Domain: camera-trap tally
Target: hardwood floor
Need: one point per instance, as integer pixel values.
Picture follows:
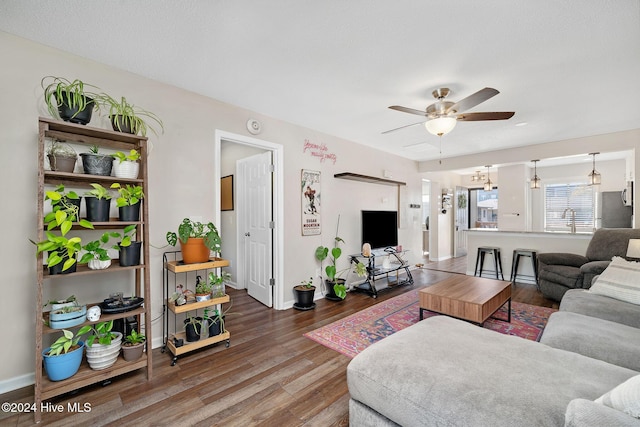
(270, 375)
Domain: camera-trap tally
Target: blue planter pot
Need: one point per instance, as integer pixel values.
(63, 366)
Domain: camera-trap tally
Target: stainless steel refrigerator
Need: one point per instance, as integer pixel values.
(613, 212)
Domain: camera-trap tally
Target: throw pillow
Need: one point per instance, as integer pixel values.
(620, 280)
(625, 397)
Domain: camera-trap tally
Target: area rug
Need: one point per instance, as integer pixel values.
(356, 332)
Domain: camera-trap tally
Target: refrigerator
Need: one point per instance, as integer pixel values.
(613, 211)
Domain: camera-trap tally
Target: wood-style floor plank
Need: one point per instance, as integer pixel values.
(270, 375)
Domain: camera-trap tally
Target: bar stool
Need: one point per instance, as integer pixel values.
(529, 253)
(497, 261)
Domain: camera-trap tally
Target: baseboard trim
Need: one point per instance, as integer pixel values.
(15, 383)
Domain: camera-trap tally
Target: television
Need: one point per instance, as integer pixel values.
(380, 228)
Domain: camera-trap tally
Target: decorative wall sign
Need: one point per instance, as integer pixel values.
(319, 150)
(226, 193)
(311, 224)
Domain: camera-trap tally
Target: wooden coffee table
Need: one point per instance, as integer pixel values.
(466, 297)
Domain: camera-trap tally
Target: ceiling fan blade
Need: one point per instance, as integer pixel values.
(401, 127)
(474, 117)
(473, 100)
(408, 110)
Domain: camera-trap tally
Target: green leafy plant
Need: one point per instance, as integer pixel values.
(129, 195)
(96, 249)
(134, 338)
(189, 228)
(133, 156)
(99, 191)
(70, 299)
(101, 332)
(308, 284)
(203, 286)
(94, 149)
(126, 237)
(71, 93)
(60, 249)
(67, 342)
(63, 213)
(126, 117)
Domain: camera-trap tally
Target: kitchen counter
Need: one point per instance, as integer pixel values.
(507, 241)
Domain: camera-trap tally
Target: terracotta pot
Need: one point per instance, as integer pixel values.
(133, 352)
(61, 163)
(194, 251)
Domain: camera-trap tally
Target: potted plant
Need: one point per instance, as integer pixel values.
(96, 256)
(304, 293)
(215, 323)
(217, 283)
(95, 163)
(130, 250)
(65, 210)
(67, 317)
(62, 252)
(126, 165)
(98, 203)
(336, 288)
(193, 328)
(128, 201)
(203, 289)
(196, 240)
(103, 346)
(62, 303)
(68, 100)
(128, 118)
(62, 360)
(62, 157)
(133, 346)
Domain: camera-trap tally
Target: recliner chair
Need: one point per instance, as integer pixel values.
(559, 272)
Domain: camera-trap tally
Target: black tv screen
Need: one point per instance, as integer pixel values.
(380, 228)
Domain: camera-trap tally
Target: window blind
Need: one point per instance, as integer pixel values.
(579, 197)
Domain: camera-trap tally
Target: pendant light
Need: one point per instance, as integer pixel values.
(477, 177)
(535, 181)
(488, 186)
(594, 176)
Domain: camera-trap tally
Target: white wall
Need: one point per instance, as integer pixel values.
(180, 175)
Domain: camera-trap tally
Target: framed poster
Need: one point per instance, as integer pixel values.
(226, 193)
(311, 219)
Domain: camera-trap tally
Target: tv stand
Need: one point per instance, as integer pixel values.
(382, 275)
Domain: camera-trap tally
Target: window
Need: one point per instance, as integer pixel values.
(483, 211)
(560, 197)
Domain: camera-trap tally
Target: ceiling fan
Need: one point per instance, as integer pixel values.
(442, 115)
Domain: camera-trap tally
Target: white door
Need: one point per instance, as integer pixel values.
(255, 185)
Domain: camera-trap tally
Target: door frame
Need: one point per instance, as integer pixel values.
(277, 151)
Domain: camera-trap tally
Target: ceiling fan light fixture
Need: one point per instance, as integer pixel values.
(440, 125)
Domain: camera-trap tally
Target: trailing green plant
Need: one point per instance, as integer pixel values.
(134, 338)
(133, 156)
(126, 116)
(189, 228)
(96, 249)
(65, 343)
(129, 195)
(63, 213)
(72, 299)
(99, 191)
(72, 93)
(126, 237)
(60, 249)
(101, 332)
(204, 286)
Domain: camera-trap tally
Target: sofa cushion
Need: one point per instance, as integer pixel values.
(593, 337)
(620, 280)
(587, 413)
(443, 371)
(566, 275)
(587, 303)
(625, 397)
(610, 242)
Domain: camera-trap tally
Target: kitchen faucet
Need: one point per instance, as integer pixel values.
(571, 224)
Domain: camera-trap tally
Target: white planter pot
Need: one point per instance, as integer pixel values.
(96, 264)
(102, 356)
(125, 169)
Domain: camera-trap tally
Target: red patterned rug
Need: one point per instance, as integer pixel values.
(356, 332)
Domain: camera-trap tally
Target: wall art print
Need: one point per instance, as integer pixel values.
(310, 189)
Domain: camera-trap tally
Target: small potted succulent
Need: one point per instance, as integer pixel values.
(128, 201)
(62, 157)
(304, 293)
(126, 165)
(95, 163)
(133, 346)
(196, 240)
(69, 100)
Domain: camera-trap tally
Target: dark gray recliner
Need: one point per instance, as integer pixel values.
(559, 272)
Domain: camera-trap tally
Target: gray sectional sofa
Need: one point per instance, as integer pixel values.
(447, 372)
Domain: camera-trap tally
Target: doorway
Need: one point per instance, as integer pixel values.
(233, 243)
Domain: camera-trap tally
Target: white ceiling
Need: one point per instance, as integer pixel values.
(568, 68)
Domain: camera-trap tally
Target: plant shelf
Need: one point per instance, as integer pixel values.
(190, 346)
(195, 305)
(180, 267)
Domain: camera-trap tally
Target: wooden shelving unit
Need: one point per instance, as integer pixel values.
(177, 267)
(84, 135)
